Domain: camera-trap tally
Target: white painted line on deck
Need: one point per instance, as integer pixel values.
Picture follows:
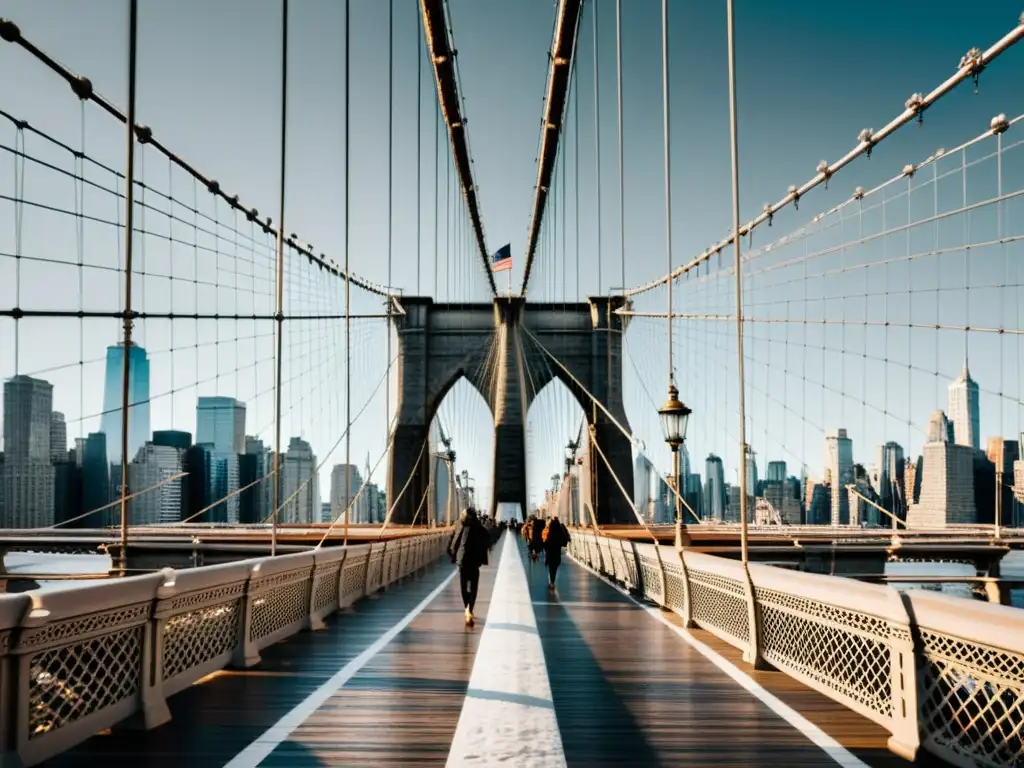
(508, 717)
(814, 734)
(261, 748)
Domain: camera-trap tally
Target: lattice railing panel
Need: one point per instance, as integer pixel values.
(376, 571)
(352, 579)
(193, 638)
(593, 553)
(675, 584)
(632, 579)
(971, 701)
(72, 682)
(618, 563)
(651, 575)
(823, 649)
(719, 602)
(326, 593)
(279, 608)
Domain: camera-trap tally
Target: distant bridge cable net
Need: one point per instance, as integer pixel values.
(636, 442)
(82, 87)
(971, 66)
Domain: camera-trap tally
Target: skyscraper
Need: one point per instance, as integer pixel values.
(150, 472)
(220, 432)
(26, 474)
(300, 486)
(254, 466)
(339, 501)
(964, 411)
(1004, 454)
(220, 422)
(95, 482)
(890, 479)
(839, 462)
(643, 475)
(138, 401)
(940, 429)
(947, 488)
(776, 472)
(182, 443)
(715, 498)
(58, 437)
(751, 480)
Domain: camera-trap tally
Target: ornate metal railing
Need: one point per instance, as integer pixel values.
(76, 661)
(938, 672)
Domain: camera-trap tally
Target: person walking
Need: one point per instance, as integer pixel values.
(536, 538)
(468, 550)
(556, 536)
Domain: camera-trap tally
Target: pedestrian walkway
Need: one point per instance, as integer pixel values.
(583, 676)
(508, 716)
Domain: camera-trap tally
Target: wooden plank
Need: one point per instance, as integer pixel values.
(216, 718)
(629, 691)
(404, 706)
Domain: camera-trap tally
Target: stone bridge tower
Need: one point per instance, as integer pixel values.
(493, 346)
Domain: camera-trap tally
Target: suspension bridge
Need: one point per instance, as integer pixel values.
(260, 447)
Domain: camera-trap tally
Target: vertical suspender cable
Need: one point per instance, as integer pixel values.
(576, 186)
(348, 285)
(734, 150)
(666, 118)
(419, 155)
(622, 184)
(437, 187)
(391, 202)
(597, 148)
(668, 171)
(279, 313)
(129, 204)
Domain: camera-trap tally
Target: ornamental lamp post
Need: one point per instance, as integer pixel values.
(675, 417)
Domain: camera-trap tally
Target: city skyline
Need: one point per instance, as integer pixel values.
(209, 358)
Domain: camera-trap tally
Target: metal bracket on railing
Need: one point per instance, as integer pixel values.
(905, 648)
(366, 571)
(753, 652)
(687, 610)
(155, 711)
(664, 580)
(246, 655)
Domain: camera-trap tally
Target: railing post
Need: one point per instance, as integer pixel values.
(12, 610)
(638, 588)
(906, 736)
(752, 654)
(663, 600)
(687, 610)
(316, 623)
(155, 711)
(246, 655)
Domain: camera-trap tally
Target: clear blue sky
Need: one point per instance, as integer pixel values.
(811, 75)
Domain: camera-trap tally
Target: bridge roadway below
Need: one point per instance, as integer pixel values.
(583, 676)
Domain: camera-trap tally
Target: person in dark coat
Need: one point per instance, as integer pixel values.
(556, 536)
(468, 550)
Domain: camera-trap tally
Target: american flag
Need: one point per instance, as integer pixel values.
(502, 259)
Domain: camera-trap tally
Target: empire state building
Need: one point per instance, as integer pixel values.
(964, 410)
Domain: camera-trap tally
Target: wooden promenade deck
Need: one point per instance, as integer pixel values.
(625, 687)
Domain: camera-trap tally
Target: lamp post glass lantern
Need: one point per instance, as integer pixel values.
(675, 417)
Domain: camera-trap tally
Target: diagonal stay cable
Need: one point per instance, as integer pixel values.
(971, 66)
(633, 439)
